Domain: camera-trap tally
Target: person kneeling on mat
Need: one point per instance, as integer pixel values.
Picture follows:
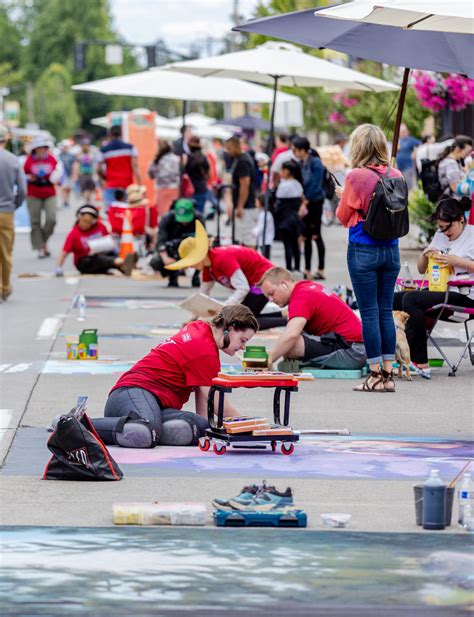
(322, 331)
(144, 407)
(236, 267)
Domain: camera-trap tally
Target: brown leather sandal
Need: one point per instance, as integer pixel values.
(388, 381)
(377, 384)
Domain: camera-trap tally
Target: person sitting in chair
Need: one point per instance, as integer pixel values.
(144, 408)
(322, 331)
(452, 245)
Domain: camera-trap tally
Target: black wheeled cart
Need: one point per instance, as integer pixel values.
(220, 440)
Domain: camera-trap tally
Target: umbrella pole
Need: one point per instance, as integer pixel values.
(181, 156)
(398, 120)
(271, 145)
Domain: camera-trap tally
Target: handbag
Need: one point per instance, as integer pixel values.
(78, 452)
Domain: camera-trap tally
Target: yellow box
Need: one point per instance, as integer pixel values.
(438, 275)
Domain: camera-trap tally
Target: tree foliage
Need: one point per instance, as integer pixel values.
(55, 101)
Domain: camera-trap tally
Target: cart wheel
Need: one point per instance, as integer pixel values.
(274, 446)
(218, 449)
(204, 445)
(287, 448)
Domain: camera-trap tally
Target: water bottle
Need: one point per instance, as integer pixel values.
(465, 494)
(81, 308)
(434, 502)
(408, 282)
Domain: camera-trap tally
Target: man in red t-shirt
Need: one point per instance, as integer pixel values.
(144, 407)
(118, 165)
(236, 267)
(322, 331)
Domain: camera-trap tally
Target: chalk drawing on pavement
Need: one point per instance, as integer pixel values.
(107, 571)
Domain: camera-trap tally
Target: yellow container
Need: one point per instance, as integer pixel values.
(81, 352)
(438, 275)
(71, 347)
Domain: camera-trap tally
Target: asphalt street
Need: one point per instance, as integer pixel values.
(36, 385)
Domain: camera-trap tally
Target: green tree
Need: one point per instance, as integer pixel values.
(55, 103)
(10, 37)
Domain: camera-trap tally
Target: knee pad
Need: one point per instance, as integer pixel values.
(135, 432)
(182, 428)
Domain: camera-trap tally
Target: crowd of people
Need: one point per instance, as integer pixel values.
(261, 198)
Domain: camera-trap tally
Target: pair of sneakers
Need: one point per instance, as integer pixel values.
(257, 498)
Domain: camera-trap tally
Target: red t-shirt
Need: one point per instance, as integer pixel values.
(42, 168)
(324, 311)
(225, 260)
(76, 240)
(278, 151)
(176, 366)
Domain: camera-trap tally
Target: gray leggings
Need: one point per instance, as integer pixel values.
(134, 418)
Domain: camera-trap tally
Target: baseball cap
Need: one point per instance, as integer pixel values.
(184, 209)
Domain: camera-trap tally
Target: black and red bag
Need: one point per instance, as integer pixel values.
(78, 452)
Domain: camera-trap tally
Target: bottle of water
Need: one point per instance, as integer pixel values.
(465, 494)
(408, 282)
(434, 502)
(81, 308)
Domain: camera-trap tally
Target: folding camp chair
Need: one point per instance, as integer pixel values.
(452, 313)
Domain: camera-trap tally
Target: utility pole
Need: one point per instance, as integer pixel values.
(236, 22)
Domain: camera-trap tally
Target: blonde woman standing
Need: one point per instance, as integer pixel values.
(373, 264)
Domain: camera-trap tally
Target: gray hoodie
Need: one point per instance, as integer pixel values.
(12, 182)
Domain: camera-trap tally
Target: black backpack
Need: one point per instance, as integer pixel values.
(387, 216)
(429, 177)
(328, 185)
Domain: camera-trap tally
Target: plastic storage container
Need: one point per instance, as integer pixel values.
(159, 513)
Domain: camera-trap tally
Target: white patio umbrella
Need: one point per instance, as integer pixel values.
(196, 120)
(432, 15)
(282, 64)
(166, 84)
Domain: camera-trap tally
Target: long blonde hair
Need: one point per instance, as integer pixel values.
(368, 146)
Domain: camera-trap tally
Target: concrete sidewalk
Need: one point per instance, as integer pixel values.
(441, 408)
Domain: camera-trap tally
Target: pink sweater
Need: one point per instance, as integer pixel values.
(359, 186)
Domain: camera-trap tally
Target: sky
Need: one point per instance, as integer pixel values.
(178, 22)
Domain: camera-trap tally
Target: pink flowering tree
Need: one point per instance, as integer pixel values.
(437, 93)
(342, 102)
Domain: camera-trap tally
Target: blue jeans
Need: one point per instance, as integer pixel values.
(108, 196)
(374, 271)
(200, 200)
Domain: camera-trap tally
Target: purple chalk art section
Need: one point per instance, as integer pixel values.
(344, 458)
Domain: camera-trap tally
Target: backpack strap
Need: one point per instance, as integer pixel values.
(380, 175)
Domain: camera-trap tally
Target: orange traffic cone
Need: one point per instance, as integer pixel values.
(127, 244)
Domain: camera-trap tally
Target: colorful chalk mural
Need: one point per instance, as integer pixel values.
(158, 571)
(332, 457)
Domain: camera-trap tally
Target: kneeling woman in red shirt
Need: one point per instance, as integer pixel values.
(83, 241)
(144, 407)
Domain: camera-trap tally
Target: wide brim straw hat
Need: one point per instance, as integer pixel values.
(136, 195)
(192, 250)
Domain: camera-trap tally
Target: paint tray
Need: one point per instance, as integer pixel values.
(255, 357)
(289, 518)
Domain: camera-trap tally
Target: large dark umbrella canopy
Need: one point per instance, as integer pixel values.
(415, 49)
